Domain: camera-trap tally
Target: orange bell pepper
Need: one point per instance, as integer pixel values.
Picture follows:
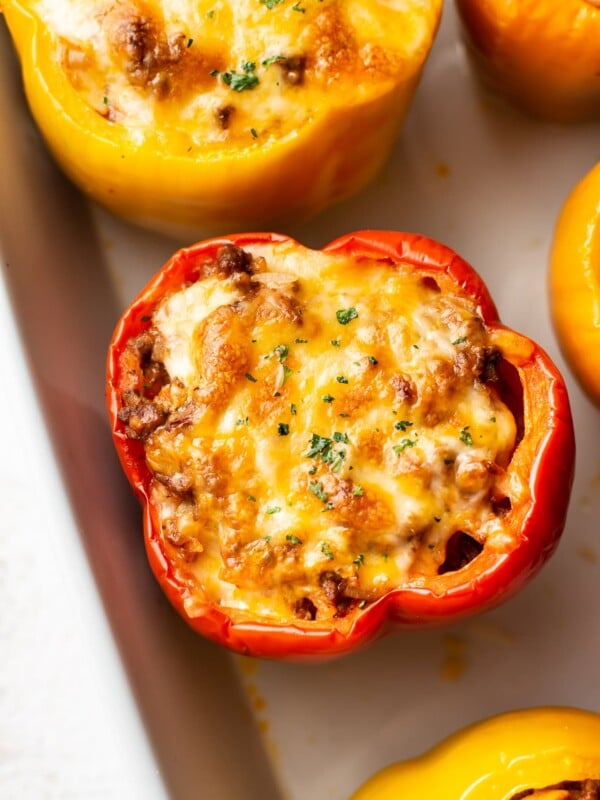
(540, 753)
(541, 54)
(575, 282)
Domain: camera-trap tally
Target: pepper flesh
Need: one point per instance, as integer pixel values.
(162, 173)
(541, 54)
(542, 464)
(575, 282)
(502, 758)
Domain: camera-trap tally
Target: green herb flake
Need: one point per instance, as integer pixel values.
(362, 604)
(286, 373)
(254, 133)
(492, 419)
(359, 561)
(342, 379)
(399, 448)
(190, 42)
(327, 398)
(402, 425)
(293, 409)
(272, 60)
(282, 351)
(336, 342)
(343, 415)
(214, 73)
(283, 429)
(465, 436)
(326, 550)
(358, 490)
(268, 539)
(300, 341)
(241, 81)
(293, 539)
(210, 14)
(251, 498)
(250, 377)
(346, 315)
(437, 519)
(105, 100)
(242, 421)
(271, 3)
(460, 340)
(273, 510)
(341, 437)
(373, 360)
(298, 7)
(316, 487)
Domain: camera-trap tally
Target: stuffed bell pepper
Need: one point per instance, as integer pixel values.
(541, 54)
(575, 282)
(220, 114)
(328, 442)
(538, 754)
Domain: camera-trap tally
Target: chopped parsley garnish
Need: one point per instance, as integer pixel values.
(251, 498)
(298, 7)
(254, 133)
(244, 421)
(460, 340)
(250, 377)
(271, 3)
(465, 436)
(300, 341)
(293, 409)
(362, 604)
(326, 550)
(210, 14)
(282, 351)
(293, 539)
(327, 398)
(346, 315)
(322, 447)
(358, 490)
(336, 342)
(316, 487)
(241, 81)
(342, 379)
(359, 560)
(344, 415)
(398, 448)
(190, 42)
(272, 60)
(283, 429)
(402, 425)
(286, 373)
(273, 510)
(268, 539)
(373, 360)
(341, 437)
(492, 419)
(105, 100)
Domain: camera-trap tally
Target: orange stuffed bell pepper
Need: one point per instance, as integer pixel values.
(328, 443)
(575, 282)
(541, 54)
(539, 753)
(219, 115)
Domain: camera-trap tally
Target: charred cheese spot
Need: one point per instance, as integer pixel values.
(213, 71)
(320, 431)
(588, 789)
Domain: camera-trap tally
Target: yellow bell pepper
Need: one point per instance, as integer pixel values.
(535, 753)
(220, 113)
(541, 54)
(575, 282)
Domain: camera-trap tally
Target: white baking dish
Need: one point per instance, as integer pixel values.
(148, 709)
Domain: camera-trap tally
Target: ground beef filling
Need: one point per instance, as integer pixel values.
(154, 403)
(588, 789)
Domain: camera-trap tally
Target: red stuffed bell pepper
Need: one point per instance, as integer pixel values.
(327, 443)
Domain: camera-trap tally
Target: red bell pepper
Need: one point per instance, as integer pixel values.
(540, 471)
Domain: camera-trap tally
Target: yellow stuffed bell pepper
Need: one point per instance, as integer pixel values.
(542, 754)
(220, 113)
(575, 282)
(542, 54)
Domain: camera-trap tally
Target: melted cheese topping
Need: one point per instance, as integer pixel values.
(325, 433)
(244, 71)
